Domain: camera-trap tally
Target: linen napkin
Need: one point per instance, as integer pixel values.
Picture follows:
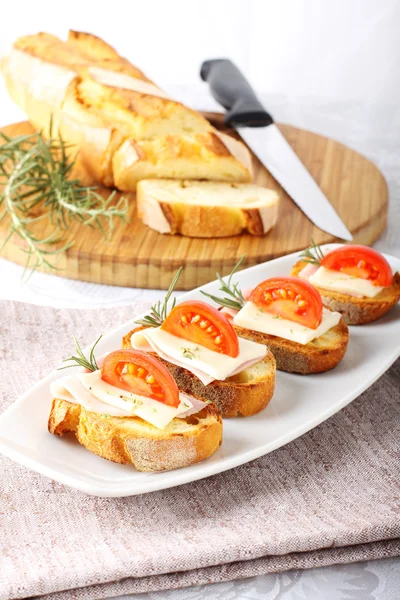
(331, 496)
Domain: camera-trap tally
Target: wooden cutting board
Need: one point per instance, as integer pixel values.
(136, 256)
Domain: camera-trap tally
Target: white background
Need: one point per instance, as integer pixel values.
(331, 49)
(332, 66)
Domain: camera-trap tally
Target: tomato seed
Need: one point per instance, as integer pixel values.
(218, 340)
(196, 318)
(204, 324)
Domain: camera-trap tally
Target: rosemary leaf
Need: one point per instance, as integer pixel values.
(34, 172)
(313, 254)
(160, 311)
(81, 360)
(234, 297)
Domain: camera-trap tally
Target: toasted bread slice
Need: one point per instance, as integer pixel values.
(319, 355)
(242, 395)
(358, 311)
(190, 156)
(206, 209)
(130, 440)
(92, 95)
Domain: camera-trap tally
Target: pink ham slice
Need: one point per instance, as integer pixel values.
(308, 270)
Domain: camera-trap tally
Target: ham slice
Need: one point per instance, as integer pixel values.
(308, 270)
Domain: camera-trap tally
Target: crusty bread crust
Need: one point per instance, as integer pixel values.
(130, 440)
(322, 354)
(243, 395)
(358, 311)
(163, 205)
(93, 95)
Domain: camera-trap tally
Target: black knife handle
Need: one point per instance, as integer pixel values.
(231, 89)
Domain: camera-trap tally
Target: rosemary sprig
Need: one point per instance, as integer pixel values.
(234, 297)
(81, 360)
(313, 254)
(160, 310)
(35, 177)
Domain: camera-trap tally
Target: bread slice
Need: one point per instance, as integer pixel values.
(319, 355)
(206, 209)
(242, 395)
(358, 311)
(177, 156)
(130, 440)
(98, 101)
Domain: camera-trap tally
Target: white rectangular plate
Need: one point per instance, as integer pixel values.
(299, 404)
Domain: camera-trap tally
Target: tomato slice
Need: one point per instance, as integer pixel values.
(142, 374)
(289, 298)
(360, 261)
(203, 324)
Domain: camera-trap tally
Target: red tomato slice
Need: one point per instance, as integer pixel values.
(203, 324)
(360, 261)
(142, 374)
(289, 298)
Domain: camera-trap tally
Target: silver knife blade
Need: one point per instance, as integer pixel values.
(269, 145)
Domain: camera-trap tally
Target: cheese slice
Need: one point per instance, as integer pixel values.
(96, 395)
(253, 317)
(206, 364)
(337, 281)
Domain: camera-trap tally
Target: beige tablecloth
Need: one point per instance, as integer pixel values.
(331, 496)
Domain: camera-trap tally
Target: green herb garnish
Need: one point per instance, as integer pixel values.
(34, 174)
(188, 353)
(234, 297)
(81, 360)
(160, 310)
(313, 254)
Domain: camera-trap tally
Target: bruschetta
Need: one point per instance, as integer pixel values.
(356, 281)
(127, 408)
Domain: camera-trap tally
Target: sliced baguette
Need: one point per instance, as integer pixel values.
(242, 395)
(177, 156)
(206, 209)
(130, 440)
(322, 354)
(93, 95)
(358, 311)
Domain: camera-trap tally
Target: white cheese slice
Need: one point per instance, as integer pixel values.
(198, 358)
(96, 395)
(253, 317)
(121, 80)
(344, 283)
(71, 389)
(152, 411)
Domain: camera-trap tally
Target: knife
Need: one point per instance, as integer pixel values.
(255, 125)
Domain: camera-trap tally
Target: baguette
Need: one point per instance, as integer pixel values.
(130, 440)
(206, 209)
(319, 355)
(358, 311)
(244, 394)
(114, 115)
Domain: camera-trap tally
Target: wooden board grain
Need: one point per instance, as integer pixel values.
(136, 256)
